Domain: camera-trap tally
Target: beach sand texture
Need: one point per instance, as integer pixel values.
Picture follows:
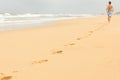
(74, 49)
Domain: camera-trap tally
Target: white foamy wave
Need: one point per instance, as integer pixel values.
(7, 17)
(15, 21)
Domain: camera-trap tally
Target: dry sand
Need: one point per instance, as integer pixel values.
(75, 49)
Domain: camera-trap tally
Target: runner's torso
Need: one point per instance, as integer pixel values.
(109, 8)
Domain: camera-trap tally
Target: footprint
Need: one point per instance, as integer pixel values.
(79, 38)
(71, 44)
(86, 36)
(57, 52)
(3, 77)
(89, 34)
(1, 74)
(40, 61)
(91, 31)
(6, 78)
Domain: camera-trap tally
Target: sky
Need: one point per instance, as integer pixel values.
(57, 6)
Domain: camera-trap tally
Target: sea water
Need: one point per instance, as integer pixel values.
(21, 21)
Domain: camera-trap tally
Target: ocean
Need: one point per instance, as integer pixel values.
(21, 21)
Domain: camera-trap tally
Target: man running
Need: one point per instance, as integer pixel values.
(109, 10)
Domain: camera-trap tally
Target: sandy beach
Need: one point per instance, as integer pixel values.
(73, 49)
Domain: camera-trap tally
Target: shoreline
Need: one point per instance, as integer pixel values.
(17, 25)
